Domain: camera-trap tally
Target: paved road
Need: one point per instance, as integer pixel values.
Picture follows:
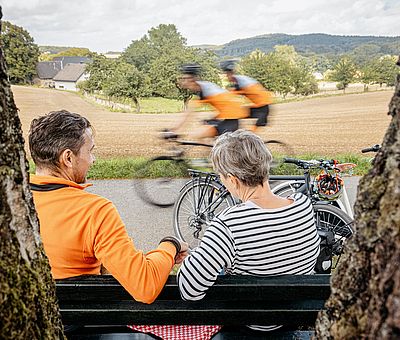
(147, 224)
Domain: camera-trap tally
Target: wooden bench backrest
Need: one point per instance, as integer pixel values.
(233, 300)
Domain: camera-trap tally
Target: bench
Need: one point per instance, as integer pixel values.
(233, 300)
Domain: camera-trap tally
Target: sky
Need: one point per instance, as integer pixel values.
(111, 25)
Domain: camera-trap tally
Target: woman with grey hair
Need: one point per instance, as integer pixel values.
(264, 235)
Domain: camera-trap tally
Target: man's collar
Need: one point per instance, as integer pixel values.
(35, 179)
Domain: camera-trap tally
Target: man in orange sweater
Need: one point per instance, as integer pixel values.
(80, 230)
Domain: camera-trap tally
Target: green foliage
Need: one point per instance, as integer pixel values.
(369, 72)
(68, 52)
(303, 81)
(160, 53)
(381, 70)
(282, 71)
(120, 168)
(116, 78)
(387, 70)
(126, 81)
(364, 53)
(20, 51)
(100, 70)
(344, 72)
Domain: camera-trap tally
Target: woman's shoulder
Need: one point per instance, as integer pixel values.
(238, 209)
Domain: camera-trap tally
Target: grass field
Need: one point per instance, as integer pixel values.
(326, 126)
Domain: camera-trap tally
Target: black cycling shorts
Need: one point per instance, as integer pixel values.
(223, 125)
(261, 114)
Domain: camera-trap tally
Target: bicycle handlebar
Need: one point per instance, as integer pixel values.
(374, 148)
(311, 163)
(292, 161)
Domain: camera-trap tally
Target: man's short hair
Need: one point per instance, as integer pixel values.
(51, 134)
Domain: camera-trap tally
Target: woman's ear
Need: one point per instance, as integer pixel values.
(66, 158)
(234, 180)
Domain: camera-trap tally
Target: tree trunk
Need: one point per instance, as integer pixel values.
(365, 298)
(28, 307)
(137, 104)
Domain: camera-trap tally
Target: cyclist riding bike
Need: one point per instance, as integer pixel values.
(228, 109)
(258, 96)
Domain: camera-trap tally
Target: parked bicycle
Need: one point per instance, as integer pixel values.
(158, 180)
(204, 197)
(306, 186)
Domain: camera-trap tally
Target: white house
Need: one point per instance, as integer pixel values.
(70, 76)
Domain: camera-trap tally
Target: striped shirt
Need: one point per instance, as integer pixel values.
(249, 240)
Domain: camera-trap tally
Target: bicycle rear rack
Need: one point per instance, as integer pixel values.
(203, 175)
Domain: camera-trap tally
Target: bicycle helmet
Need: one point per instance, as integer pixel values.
(192, 69)
(329, 187)
(228, 65)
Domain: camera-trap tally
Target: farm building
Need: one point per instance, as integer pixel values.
(70, 76)
(46, 71)
(72, 60)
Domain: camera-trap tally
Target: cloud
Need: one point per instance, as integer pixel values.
(104, 25)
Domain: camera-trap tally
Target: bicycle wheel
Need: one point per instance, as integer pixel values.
(158, 180)
(199, 202)
(287, 188)
(331, 220)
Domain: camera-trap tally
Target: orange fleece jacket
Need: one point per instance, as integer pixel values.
(80, 231)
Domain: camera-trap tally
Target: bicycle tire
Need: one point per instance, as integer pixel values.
(287, 188)
(191, 217)
(157, 181)
(329, 218)
(334, 218)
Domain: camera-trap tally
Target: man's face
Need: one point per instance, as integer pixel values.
(84, 159)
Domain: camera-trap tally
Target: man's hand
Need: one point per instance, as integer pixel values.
(183, 253)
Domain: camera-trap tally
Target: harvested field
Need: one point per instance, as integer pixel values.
(329, 125)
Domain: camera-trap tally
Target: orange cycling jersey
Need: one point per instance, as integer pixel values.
(225, 103)
(80, 231)
(253, 90)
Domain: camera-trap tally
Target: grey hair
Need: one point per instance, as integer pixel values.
(243, 155)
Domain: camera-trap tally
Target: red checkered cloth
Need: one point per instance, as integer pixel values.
(179, 332)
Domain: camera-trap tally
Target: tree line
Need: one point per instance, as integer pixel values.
(149, 67)
(320, 44)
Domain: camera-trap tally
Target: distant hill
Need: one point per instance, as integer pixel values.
(53, 49)
(307, 44)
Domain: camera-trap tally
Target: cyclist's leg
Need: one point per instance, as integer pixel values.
(227, 125)
(216, 127)
(261, 114)
(204, 132)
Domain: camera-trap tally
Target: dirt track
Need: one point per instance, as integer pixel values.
(328, 125)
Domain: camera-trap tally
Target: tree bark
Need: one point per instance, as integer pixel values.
(365, 298)
(28, 305)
